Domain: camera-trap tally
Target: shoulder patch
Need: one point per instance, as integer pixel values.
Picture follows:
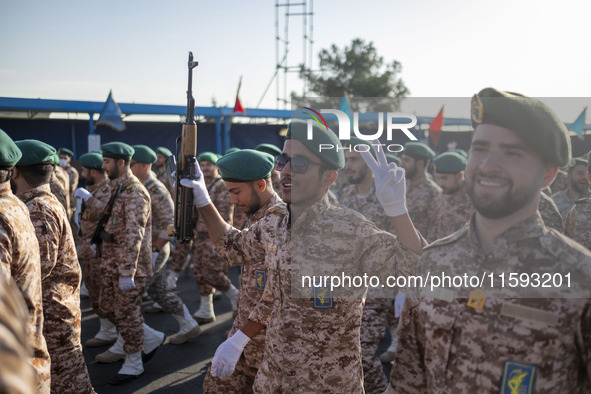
(129, 188)
(154, 189)
(104, 189)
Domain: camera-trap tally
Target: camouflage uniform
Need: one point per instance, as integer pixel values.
(560, 182)
(376, 310)
(447, 346)
(19, 257)
(423, 199)
(550, 214)
(60, 283)
(17, 375)
(308, 348)
(456, 209)
(578, 222)
(163, 177)
(252, 285)
(59, 184)
(130, 255)
(162, 216)
(91, 213)
(564, 202)
(209, 269)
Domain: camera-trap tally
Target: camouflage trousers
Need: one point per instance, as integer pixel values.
(156, 285)
(91, 276)
(239, 382)
(68, 368)
(124, 310)
(179, 254)
(373, 322)
(210, 269)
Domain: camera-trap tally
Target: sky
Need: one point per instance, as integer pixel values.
(79, 50)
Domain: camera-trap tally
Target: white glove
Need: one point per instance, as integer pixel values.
(173, 277)
(154, 258)
(390, 182)
(126, 283)
(200, 194)
(398, 304)
(227, 355)
(93, 249)
(82, 193)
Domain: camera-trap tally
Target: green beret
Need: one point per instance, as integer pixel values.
(418, 150)
(231, 150)
(117, 150)
(144, 154)
(332, 151)
(164, 151)
(245, 165)
(91, 160)
(577, 161)
(56, 159)
(208, 156)
(531, 119)
(10, 154)
(35, 152)
(65, 151)
(354, 141)
(392, 158)
(449, 163)
(461, 152)
(269, 148)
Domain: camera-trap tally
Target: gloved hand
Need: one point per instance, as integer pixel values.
(227, 355)
(389, 180)
(93, 250)
(399, 303)
(154, 257)
(126, 283)
(200, 194)
(82, 193)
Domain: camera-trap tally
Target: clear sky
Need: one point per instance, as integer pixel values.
(79, 50)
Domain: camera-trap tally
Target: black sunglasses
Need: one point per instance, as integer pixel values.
(299, 164)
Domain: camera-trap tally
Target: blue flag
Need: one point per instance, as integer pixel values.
(111, 115)
(577, 125)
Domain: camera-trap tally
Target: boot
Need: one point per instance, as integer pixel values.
(155, 308)
(173, 277)
(132, 369)
(205, 313)
(152, 341)
(114, 354)
(84, 291)
(189, 328)
(106, 335)
(388, 355)
(232, 294)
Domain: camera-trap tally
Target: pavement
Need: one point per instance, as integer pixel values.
(174, 368)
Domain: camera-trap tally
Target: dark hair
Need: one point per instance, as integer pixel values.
(100, 170)
(37, 174)
(5, 174)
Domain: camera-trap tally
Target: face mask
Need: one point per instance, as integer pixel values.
(63, 162)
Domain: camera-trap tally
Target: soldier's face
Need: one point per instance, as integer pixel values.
(355, 168)
(208, 169)
(111, 167)
(245, 195)
(410, 166)
(504, 175)
(160, 159)
(65, 157)
(87, 176)
(578, 179)
(449, 183)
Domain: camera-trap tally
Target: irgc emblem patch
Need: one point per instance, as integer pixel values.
(518, 378)
(260, 277)
(476, 109)
(114, 220)
(323, 298)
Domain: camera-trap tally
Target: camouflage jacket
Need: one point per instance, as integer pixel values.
(73, 178)
(91, 212)
(221, 199)
(578, 222)
(549, 212)
(60, 187)
(423, 200)
(455, 212)
(163, 177)
(368, 205)
(162, 208)
(564, 202)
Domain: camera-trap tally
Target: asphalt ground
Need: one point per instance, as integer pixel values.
(174, 368)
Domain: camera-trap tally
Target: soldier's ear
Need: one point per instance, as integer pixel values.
(549, 174)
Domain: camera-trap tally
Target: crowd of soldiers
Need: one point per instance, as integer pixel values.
(516, 204)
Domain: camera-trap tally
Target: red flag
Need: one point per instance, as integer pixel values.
(435, 128)
(238, 105)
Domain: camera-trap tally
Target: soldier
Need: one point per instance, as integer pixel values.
(502, 339)
(273, 151)
(423, 195)
(560, 183)
(60, 270)
(19, 258)
(247, 177)
(549, 212)
(578, 186)
(360, 196)
(60, 186)
(578, 219)
(162, 217)
(126, 263)
(65, 162)
(456, 207)
(209, 269)
(162, 175)
(312, 341)
(92, 208)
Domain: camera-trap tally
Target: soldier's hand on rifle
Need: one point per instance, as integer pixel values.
(389, 180)
(82, 193)
(227, 355)
(126, 283)
(200, 195)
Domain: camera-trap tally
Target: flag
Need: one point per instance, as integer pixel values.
(435, 128)
(577, 125)
(346, 108)
(238, 105)
(111, 115)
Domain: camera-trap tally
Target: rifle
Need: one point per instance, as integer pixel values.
(100, 234)
(186, 150)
